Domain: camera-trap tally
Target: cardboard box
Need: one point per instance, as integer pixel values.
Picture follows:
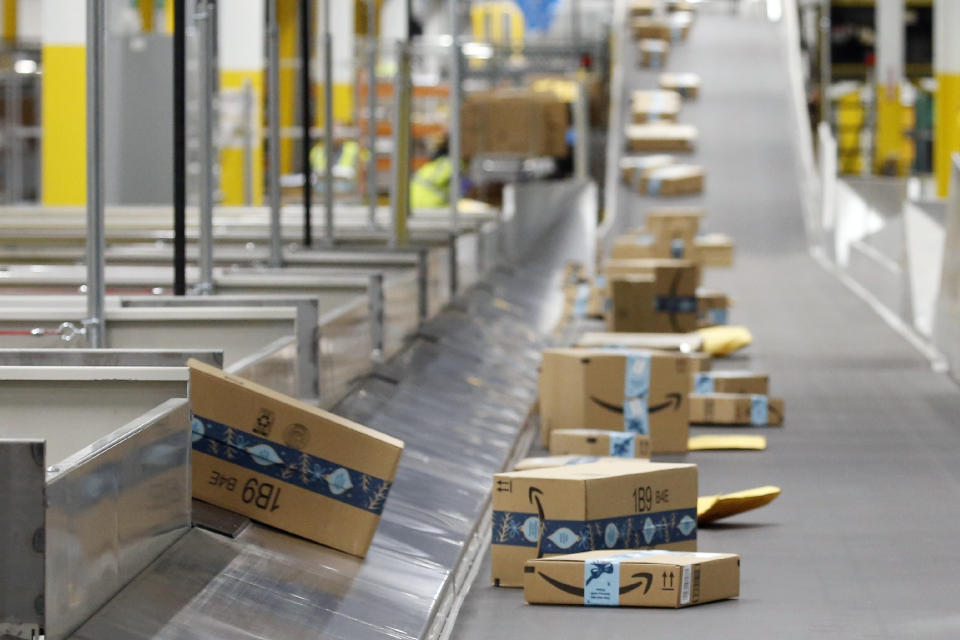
(686, 84)
(636, 246)
(644, 267)
(616, 390)
(661, 136)
(654, 106)
(667, 579)
(736, 409)
(648, 27)
(514, 121)
(597, 442)
(632, 167)
(641, 7)
(713, 250)
(664, 303)
(586, 300)
(286, 463)
(731, 382)
(712, 308)
(611, 504)
(675, 229)
(680, 24)
(653, 53)
(676, 180)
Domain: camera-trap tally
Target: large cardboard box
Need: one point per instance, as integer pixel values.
(661, 136)
(676, 180)
(617, 390)
(736, 409)
(286, 463)
(649, 27)
(598, 442)
(514, 121)
(653, 53)
(632, 167)
(731, 382)
(653, 578)
(664, 303)
(611, 504)
(654, 105)
(686, 84)
(713, 250)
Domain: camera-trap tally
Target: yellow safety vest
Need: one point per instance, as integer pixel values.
(430, 185)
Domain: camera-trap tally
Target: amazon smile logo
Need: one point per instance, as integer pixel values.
(673, 399)
(642, 579)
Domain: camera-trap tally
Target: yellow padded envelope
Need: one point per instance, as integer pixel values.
(724, 505)
(727, 442)
(724, 339)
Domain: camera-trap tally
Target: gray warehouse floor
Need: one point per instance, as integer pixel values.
(863, 541)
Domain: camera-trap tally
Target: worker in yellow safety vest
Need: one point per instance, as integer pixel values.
(430, 185)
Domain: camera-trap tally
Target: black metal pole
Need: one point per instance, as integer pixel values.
(179, 150)
(306, 89)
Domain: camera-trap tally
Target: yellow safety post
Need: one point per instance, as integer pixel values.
(490, 19)
(63, 110)
(946, 66)
(287, 16)
(9, 21)
(888, 142)
(147, 9)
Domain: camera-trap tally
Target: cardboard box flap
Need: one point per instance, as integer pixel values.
(603, 468)
(642, 556)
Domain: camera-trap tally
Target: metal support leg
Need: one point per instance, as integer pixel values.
(400, 196)
(456, 99)
(377, 319)
(306, 115)
(454, 285)
(330, 236)
(96, 290)
(372, 42)
(581, 123)
(247, 118)
(179, 148)
(423, 284)
(206, 17)
(273, 143)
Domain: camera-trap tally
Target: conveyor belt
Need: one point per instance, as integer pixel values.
(862, 543)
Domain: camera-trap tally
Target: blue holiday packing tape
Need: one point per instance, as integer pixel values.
(622, 532)
(759, 410)
(515, 529)
(295, 467)
(636, 417)
(703, 383)
(580, 301)
(717, 316)
(623, 445)
(676, 304)
(653, 185)
(677, 248)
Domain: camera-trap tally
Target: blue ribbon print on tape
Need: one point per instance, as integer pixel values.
(290, 465)
(653, 186)
(625, 532)
(623, 445)
(601, 582)
(717, 316)
(703, 383)
(677, 247)
(636, 389)
(515, 529)
(655, 59)
(580, 302)
(759, 410)
(676, 304)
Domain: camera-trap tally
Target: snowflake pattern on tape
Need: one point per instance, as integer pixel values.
(626, 532)
(290, 465)
(515, 529)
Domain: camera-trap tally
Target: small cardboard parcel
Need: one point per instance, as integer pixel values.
(286, 463)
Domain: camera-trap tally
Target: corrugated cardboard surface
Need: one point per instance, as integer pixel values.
(650, 106)
(686, 84)
(673, 181)
(661, 136)
(731, 408)
(714, 250)
(514, 121)
(584, 388)
(664, 305)
(286, 463)
(746, 382)
(614, 504)
(598, 442)
(670, 580)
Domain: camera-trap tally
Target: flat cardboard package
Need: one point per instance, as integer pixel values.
(654, 105)
(661, 136)
(686, 84)
(683, 343)
(653, 53)
(611, 504)
(637, 246)
(736, 409)
(651, 578)
(546, 462)
(731, 382)
(598, 442)
(664, 303)
(632, 167)
(647, 27)
(617, 390)
(713, 250)
(676, 180)
(286, 463)
(514, 121)
(712, 308)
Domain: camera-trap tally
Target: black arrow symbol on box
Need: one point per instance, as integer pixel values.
(643, 578)
(675, 399)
